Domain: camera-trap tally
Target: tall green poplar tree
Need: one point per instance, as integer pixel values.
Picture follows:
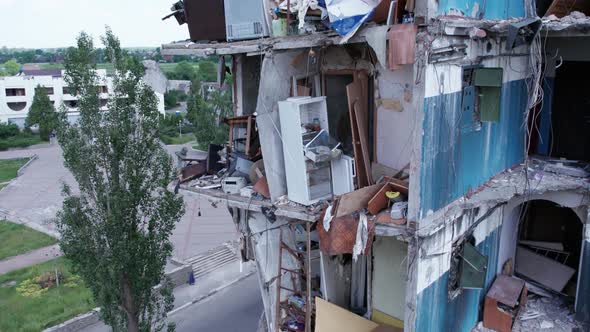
(42, 113)
(115, 227)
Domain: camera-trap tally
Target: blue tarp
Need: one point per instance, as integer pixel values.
(346, 16)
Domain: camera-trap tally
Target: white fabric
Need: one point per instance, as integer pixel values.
(328, 218)
(362, 236)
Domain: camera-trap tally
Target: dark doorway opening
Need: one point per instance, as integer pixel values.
(554, 232)
(571, 112)
(338, 118)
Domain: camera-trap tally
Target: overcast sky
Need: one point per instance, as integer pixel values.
(55, 23)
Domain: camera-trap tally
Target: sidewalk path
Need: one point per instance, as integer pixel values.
(35, 198)
(231, 291)
(30, 258)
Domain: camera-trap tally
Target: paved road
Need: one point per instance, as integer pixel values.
(234, 309)
(31, 258)
(35, 198)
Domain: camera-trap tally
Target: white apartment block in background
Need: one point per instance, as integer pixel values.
(17, 92)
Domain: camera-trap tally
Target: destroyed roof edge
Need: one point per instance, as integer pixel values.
(264, 44)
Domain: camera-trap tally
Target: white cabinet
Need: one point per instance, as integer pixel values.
(343, 173)
(304, 131)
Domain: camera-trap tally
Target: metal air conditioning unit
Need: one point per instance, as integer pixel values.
(245, 19)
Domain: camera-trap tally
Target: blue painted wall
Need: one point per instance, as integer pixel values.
(545, 117)
(437, 313)
(583, 305)
(457, 158)
(488, 9)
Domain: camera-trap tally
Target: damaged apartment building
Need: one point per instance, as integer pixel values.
(404, 165)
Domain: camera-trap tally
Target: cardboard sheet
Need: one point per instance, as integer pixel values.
(356, 200)
(332, 318)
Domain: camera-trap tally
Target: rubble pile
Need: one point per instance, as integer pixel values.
(549, 314)
(546, 314)
(575, 19)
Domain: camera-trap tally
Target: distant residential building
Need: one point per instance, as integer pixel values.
(207, 88)
(17, 92)
(179, 85)
(155, 77)
(30, 66)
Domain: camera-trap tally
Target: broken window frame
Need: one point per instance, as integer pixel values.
(458, 262)
(469, 92)
(474, 92)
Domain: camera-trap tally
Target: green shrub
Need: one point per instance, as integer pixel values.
(20, 141)
(8, 130)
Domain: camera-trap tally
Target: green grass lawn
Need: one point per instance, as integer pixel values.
(168, 140)
(9, 168)
(19, 313)
(170, 67)
(20, 141)
(18, 239)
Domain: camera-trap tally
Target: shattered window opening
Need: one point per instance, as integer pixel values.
(468, 268)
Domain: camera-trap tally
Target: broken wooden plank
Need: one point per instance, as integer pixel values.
(357, 114)
(362, 115)
(353, 94)
(543, 270)
(356, 200)
(364, 139)
(379, 201)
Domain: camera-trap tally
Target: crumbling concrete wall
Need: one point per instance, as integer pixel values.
(395, 116)
(459, 154)
(435, 310)
(494, 226)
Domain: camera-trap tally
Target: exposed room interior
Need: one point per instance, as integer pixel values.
(389, 281)
(554, 232)
(541, 244)
(570, 119)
